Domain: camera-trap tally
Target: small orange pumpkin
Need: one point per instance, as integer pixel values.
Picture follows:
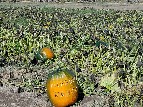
(62, 88)
(44, 54)
(47, 52)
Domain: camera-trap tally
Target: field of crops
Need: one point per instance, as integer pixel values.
(103, 47)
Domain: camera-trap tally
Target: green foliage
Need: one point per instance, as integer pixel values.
(106, 43)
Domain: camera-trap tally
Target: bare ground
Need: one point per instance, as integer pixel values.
(98, 5)
(115, 6)
(10, 98)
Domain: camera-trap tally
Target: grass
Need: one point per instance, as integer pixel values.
(103, 47)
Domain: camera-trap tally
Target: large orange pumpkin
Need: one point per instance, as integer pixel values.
(62, 88)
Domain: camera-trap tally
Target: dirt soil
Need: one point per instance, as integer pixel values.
(10, 96)
(115, 6)
(98, 5)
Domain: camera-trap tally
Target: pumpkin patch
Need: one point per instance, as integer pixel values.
(104, 47)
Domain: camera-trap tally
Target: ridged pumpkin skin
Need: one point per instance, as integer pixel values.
(62, 88)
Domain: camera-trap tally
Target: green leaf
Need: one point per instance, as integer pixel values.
(109, 81)
(98, 43)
